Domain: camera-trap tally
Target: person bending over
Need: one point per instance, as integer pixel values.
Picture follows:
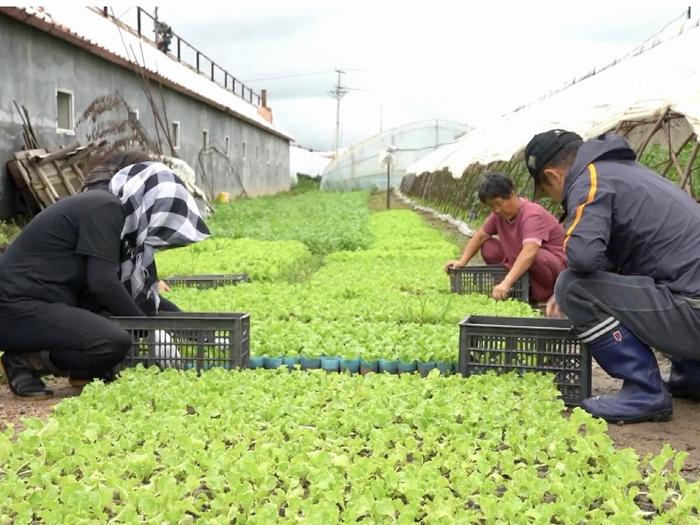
(529, 240)
(100, 243)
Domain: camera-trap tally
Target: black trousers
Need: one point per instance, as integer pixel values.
(80, 342)
(596, 302)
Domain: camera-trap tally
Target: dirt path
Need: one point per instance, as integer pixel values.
(682, 432)
(14, 409)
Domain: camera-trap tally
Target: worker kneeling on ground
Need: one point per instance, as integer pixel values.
(530, 240)
(98, 245)
(633, 249)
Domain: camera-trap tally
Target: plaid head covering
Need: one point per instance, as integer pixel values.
(160, 213)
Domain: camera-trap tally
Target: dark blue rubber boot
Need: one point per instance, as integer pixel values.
(684, 380)
(643, 396)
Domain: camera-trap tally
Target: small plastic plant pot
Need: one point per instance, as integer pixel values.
(445, 369)
(351, 366)
(310, 363)
(330, 364)
(388, 365)
(290, 362)
(407, 367)
(273, 362)
(424, 368)
(256, 362)
(367, 366)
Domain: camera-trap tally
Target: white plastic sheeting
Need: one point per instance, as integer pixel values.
(305, 162)
(664, 76)
(361, 166)
(100, 32)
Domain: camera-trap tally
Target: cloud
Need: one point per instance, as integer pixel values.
(464, 61)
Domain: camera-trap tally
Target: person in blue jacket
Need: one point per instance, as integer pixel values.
(632, 243)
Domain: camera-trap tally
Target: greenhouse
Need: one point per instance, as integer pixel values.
(651, 97)
(361, 165)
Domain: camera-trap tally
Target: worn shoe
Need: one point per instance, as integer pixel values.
(23, 373)
(643, 396)
(684, 381)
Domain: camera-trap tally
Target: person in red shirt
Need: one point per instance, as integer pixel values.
(530, 239)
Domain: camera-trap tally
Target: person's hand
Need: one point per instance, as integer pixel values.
(163, 287)
(500, 291)
(450, 265)
(553, 310)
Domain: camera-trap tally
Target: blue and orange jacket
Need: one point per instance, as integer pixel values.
(622, 215)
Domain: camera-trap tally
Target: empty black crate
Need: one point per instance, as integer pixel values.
(507, 344)
(483, 277)
(207, 281)
(189, 340)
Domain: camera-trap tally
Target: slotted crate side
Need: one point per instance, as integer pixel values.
(189, 341)
(207, 281)
(505, 344)
(482, 278)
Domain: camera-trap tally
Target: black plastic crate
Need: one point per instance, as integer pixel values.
(207, 281)
(481, 278)
(507, 344)
(189, 340)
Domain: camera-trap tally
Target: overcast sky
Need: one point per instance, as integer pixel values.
(456, 60)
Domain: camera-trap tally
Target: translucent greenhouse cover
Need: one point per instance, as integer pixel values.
(666, 74)
(361, 165)
(305, 162)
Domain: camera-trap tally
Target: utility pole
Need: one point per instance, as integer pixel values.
(338, 93)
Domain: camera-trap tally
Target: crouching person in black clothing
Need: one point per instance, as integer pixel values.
(98, 244)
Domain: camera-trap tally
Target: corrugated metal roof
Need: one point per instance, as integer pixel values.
(90, 29)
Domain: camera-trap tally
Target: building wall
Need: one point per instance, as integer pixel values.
(36, 64)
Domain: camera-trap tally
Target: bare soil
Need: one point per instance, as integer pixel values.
(14, 409)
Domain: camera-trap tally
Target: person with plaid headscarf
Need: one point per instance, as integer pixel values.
(97, 244)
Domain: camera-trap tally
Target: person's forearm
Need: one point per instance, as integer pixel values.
(106, 289)
(473, 246)
(522, 264)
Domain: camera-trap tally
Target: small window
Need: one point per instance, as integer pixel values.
(269, 156)
(175, 134)
(227, 144)
(257, 152)
(134, 114)
(205, 139)
(65, 120)
(245, 150)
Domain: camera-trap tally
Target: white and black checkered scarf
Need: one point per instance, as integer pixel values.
(160, 213)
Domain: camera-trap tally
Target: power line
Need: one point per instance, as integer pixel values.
(296, 74)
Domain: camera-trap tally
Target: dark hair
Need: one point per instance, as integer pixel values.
(563, 158)
(495, 185)
(104, 167)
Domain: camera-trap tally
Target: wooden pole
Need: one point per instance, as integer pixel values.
(652, 132)
(689, 167)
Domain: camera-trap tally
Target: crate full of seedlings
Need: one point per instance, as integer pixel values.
(482, 278)
(186, 341)
(519, 344)
(207, 281)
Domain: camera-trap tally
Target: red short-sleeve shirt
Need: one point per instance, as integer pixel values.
(532, 224)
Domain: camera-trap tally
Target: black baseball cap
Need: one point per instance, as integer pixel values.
(543, 146)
